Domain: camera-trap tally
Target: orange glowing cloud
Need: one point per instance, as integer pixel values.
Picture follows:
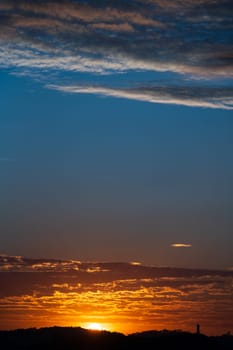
(181, 245)
(121, 297)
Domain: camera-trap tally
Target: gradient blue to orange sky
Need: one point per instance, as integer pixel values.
(116, 143)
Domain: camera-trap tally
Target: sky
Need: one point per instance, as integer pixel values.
(116, 143)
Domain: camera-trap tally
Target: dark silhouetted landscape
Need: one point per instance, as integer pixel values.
(68, 338)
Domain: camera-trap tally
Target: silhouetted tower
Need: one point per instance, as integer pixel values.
(198, 328)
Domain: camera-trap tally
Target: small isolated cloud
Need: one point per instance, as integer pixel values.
(181, 245)
(135, 263)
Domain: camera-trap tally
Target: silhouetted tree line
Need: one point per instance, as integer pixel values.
(63, 338)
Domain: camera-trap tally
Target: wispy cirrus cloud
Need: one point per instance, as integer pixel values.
(190, 39)
(187, 96)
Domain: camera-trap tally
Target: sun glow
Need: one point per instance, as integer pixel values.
(94, 326)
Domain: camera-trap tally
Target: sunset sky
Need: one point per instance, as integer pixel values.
(116, 144)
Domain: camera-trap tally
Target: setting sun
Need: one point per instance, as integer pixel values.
(94, 326)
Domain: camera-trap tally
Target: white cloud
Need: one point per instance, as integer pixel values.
(93, 38)
(198, 97)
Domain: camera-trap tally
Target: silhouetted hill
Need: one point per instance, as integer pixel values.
(64, 338)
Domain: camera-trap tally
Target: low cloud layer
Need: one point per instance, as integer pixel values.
(126, 297)
(111, 37)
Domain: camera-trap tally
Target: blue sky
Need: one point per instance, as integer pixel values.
(112, 151)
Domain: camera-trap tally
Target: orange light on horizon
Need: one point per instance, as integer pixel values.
(94, 326)
(129, 303)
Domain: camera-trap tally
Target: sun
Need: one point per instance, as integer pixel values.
(94, 326)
